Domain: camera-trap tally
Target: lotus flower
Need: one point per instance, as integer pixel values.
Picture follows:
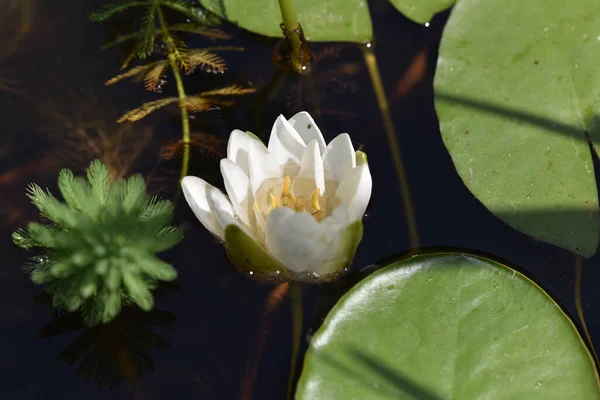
(295, 207)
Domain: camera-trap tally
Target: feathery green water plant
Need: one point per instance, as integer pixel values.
(156, 35)
(100, 243)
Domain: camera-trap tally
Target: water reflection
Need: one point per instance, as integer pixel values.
(114, 353)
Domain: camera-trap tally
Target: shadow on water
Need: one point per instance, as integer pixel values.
(114, 353)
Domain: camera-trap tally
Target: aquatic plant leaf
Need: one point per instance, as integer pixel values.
(130, 57)
(514, 116)
(148, 32)
(199, 103)
(447, 326)
(49, 206)
(100, 257)
(321, 20)
(198, 141)
(138, 113)
(421, 11)
(108, 10)
(99, 180)
(177, 50)
(205, 60)
(66, 182)
(213, 33)
(135, 71)
(155, 76)
(121, 39)
(233, 90)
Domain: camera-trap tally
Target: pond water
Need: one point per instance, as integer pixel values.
(216, 334)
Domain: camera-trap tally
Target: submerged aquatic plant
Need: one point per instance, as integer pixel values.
(155, 33)
(295, 208)
(100, 243)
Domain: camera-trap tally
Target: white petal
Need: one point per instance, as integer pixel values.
(237, 185)
(285, 143)
(261, 224)
(237, 148)
(297, 240)
(195, 191)
(339, 157)
(311, 167)
(307, 129)
(355, 191)
(336, 221)
(221, 208)
(262, 165)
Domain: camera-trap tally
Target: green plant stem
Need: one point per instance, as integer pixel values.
(579, 306)
(185, 121)
(297, 317)
(290, 22)
(384, 108)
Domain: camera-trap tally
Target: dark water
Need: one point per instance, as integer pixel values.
(204, 338)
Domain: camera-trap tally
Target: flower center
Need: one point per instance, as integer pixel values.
(287, 199)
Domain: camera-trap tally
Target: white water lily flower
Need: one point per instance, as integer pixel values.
(295, 207)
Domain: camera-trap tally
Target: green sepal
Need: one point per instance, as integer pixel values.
(361, 158)
(350, 238)
(251, 259)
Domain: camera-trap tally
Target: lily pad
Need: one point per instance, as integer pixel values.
(421, 11)
(517, 88)
(447, 326)
(322, 20)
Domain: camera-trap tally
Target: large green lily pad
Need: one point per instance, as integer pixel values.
(322, 20)
(517, 88)
(421, 11)
(447, 326)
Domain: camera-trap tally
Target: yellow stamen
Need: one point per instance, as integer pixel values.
(287, 200)
(318, 215)
(273, 204)
(287, 185)
(314, 202)
(299, 204)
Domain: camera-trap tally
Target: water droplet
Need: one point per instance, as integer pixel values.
(576, 65)
(389, 288)
(426, 24)
(528, 197)
(429, 280)
(538, 384)
(376, 385)
(496, 286)
(251, 272)
(278, 272)
(453, 298)
(531, 183)
(509, 154)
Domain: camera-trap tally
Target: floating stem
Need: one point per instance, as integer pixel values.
(384, 108)
(185, 121)
(292, 32)
(579, 306)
